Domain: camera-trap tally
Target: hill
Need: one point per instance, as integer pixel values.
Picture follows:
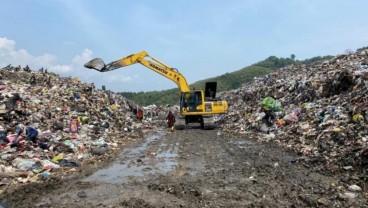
(225, 82)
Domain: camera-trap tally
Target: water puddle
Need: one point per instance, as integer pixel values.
(135, 162)
(167, 161)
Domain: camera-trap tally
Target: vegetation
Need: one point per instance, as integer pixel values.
(225, 82)
(362, 49)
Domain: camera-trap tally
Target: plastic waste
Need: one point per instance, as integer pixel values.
(291, 117)
(24, 164)
(357, 118)
(271, 104)
(57, 158)
(45, 175)
(68, 163)
(48, 165)
(101, 142)
(69, 143)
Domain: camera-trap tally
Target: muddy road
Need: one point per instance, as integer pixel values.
(194, 168)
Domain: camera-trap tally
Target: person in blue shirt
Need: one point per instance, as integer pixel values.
(31, 134)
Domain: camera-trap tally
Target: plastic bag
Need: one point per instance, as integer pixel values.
(57, 158)
(357, 118)
(271, 104)
(24, 164)
(291, 118)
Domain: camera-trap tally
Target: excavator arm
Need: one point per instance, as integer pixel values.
(147, 61)
(194, 108)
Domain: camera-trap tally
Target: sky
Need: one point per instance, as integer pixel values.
(200, 38)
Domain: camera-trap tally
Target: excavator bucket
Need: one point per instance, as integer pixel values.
(96, 63)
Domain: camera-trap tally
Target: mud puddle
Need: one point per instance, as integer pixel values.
(148, 158)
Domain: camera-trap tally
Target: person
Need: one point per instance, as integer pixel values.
(30, 133)
(9, 67)
(27, 68)
(18, 68)
(157, 110)
(19, 129)
(49, 81)
(13, 102)
(33, 79)
(140, 114)
(74, 125)
(266, 120)
(170, 120)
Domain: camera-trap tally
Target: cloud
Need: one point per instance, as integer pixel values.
(116, 78)
(77, 61)
(6, 44)
(84, 57)
(61, 68)
(9, 54)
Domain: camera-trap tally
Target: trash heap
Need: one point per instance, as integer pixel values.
(76, 123)
(323, 114)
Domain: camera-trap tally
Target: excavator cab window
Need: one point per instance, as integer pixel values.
(191, 100)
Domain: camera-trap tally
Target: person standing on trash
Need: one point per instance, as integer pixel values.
(33, 79)
(27, 68)
(140, 114)
(74, 125)
(170, 120)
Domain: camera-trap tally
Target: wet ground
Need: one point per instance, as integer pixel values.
(194, 168)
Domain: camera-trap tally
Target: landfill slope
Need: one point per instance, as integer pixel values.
(49, 103)
(330, 97)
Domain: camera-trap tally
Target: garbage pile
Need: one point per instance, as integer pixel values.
(318, 110)
(51, 125)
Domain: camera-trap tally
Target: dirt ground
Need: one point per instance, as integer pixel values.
(192, 168)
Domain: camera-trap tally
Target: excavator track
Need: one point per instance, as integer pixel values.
(205, 122)
(180, 123)
(209, 122)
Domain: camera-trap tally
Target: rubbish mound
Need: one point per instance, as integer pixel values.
(318, 110)
(50, 125)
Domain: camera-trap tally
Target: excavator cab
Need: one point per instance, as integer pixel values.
(191, 101)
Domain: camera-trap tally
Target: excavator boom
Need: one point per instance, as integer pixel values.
(144, 59)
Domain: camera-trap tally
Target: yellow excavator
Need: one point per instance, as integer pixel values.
(196, 106)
